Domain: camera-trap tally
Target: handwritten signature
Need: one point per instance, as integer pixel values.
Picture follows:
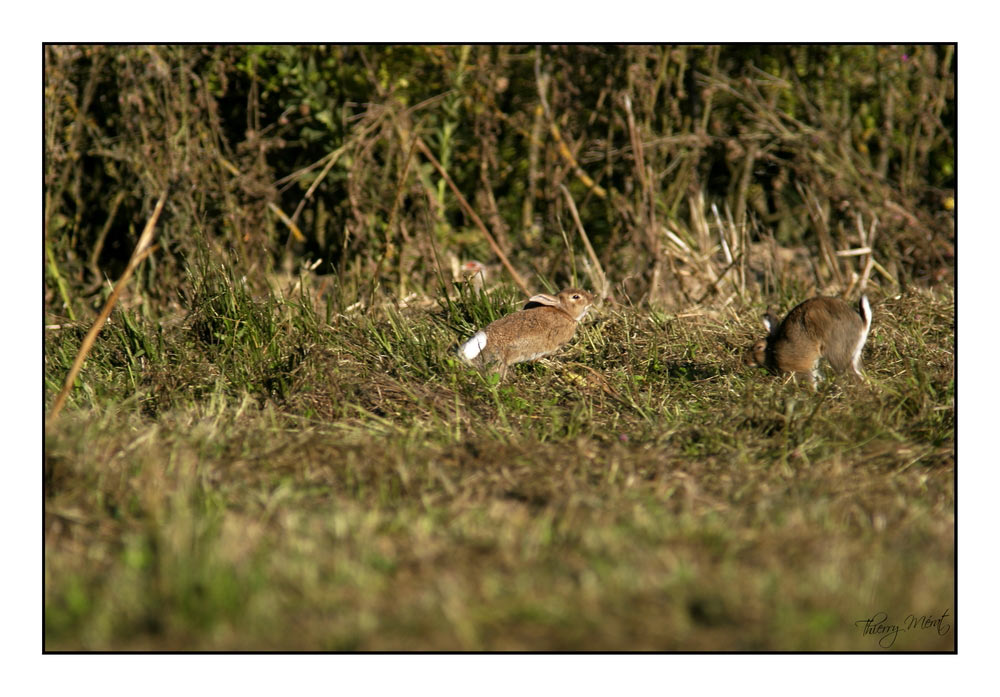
(880, 626)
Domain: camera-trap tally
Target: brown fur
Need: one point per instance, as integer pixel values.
(546, 323)
(817, 328)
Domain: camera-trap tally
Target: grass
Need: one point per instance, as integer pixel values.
(278, 473)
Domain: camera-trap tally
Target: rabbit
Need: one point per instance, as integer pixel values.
(544, 324)
(817, 328)
(474, 273)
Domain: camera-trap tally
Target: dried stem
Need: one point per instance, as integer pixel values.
(472, 215)
(142, 250)
(602, 282)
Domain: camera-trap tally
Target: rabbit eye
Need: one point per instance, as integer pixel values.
(576, 296)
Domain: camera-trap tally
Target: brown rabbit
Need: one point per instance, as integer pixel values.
(817, 328)
(544, 324)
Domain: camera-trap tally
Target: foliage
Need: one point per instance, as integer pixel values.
(791, 141)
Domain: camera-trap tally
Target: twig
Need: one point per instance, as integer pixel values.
(397, 199)
(288, 177)
(739, 248)
(99, 244)
(715, 284)
(333, 157)
(572, 255)
(389, 229)
(722, 235)
(54, 270)
(472, 215)
(292, 227)
(542, 82)
(602, 279)
(142, 250)
(868, 241)
(818, 217)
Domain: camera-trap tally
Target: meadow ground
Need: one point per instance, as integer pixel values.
(282, 473)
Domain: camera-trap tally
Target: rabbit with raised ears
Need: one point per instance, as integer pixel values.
(544, 324)
(817, 328)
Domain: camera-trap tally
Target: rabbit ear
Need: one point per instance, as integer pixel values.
(770, 323)
(543, 299)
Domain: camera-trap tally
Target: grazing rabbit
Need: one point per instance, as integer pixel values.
(544, 324)
(817, 328)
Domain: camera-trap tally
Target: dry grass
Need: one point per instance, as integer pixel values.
(639, 491)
